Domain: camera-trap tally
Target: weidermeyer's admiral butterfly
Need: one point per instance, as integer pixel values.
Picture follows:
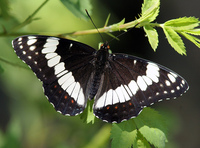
(73, 72)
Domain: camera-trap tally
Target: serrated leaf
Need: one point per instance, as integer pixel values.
(87, 115)
(142, 142)
(175, 40)
(193, 31)
(154, 135)
(77, 7)
(183, 23)
(152, 36)
(152, 126)
(124, 134)
(193, 39)
(150, 10)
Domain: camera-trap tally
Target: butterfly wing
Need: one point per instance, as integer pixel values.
(130, 83)
(62, 65)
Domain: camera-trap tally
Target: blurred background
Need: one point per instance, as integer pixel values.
(26, 117)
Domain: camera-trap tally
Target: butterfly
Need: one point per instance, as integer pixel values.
(120, 84)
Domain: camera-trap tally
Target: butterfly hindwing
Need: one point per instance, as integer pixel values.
(130, 84)
(54, 61)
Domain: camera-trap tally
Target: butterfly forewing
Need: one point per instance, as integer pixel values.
(130, 84)
(54, 61)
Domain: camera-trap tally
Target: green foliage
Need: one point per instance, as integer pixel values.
(150, 10)
(149, 128)
(87, 116)
(174, 40)
(152, 36)
(77, 7)
(183, 23)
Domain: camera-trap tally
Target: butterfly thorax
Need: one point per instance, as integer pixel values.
(101, 59)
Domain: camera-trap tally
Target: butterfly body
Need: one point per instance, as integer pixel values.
(73, 72)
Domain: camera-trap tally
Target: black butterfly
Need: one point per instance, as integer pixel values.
(72, 72)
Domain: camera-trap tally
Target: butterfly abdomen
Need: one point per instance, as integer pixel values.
(99, 66)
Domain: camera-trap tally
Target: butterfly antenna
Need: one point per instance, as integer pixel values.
(94, 25)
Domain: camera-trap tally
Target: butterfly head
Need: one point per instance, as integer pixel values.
(105, 46)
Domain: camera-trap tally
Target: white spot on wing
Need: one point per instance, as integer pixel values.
(109, 98)
(31, 37)
(49, 49)
(133, 87)
(153, 72)
(51, 42)
(120, 94)
(32, 48)
(54, 61)
(62, 73)
(67, 83)
(70, 89)
(50, 55)
(81, 98)
(147, 80)
(128, 90)
(31, 41)
(115, 98)
(64, 78)
(141, 83)
(167, 83)
(21, 46)
(126, 96)
(59, 68)
(171, 77)
(76, 91)
(101, 101)
(19, 39)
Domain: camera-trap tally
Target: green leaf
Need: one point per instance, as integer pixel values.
(87, 115)
(193, 39)
(175, 40)
(150, 10)
(193, 31)
(183, 23)
(77, 7)
(152, 36)
(124, 135)
(142, 142)
(152, 127)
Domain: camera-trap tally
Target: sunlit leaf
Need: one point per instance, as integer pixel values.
(87, 115)
(153, 127)
(184, 23)
(150, 10)
(123, 134)
(152, 36)
(175, 40)
(193, 39)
